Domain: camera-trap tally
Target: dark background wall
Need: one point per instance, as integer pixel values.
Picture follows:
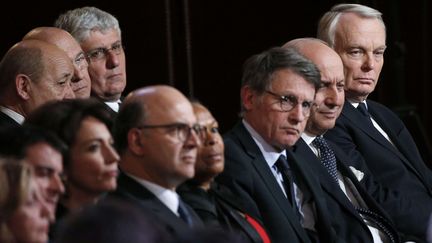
(199, 46)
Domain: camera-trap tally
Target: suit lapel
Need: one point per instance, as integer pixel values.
(327, 183)
(263, 170)
(399, 150)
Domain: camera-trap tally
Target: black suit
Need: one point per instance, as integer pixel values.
(399, 167)
(248, 175)
(219, 207)
(131, 191)
(346, 221)
(7, 121)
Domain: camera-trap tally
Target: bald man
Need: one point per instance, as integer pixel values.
(157, 136)
(32, 72)
(346, 194)
(81, 85)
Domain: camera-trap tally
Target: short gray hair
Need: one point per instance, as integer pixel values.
(80, 22)
(327, 23)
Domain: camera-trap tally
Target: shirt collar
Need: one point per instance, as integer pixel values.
(13, 114)
(270, 154)
(168, 197)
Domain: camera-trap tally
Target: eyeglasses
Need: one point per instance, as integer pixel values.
(182, 130)
(80, 61)
(288, 102)
(102, 52)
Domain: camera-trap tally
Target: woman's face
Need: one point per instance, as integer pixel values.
(30, 222)
(93, 165)
(210, 159)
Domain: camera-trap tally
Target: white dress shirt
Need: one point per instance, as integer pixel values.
(13, 114)
(168, 197)
(306, 210)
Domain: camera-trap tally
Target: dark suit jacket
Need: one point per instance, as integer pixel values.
(345, 219)
(248, 176)
(6, 121)
(131, 191)
(218, 207)
(400, 169)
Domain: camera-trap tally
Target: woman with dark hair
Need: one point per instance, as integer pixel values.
(217, 206)
(91, 164)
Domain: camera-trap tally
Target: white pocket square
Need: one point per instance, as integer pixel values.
(358, 174)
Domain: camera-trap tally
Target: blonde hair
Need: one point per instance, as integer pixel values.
(15, 179)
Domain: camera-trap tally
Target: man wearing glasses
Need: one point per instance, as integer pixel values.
(277, 94)
(80, 82)
(157, 136)
(99, 35)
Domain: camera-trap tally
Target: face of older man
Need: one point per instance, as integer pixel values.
(361, 44)
(107, 64)
(279, 128)
(168, 143)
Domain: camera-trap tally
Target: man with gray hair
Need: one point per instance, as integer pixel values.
(367, 130)
(98, 32)
(277, 94)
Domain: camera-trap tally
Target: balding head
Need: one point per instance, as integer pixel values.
(34, 72)
(157, 135)
(81, 80)
(330, 97)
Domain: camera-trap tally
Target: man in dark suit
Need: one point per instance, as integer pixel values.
(99, 34)
(32, 72)
(156, 135)
(277, 94)
(344, 192)
(369, 130)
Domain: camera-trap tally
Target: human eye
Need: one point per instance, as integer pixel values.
(355, 52)
(306, 105)
(214, 129)
(97, 53)
(340, 85)
(116, 47)
(79, 59)
(379, 53)
(93, 147)
(43, 171)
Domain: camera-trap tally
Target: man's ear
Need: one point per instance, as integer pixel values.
(247, 96)
(22, 85)
(135, 143)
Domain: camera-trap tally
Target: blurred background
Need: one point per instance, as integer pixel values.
(199, 46)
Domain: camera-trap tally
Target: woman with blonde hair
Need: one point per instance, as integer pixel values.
(24, 215)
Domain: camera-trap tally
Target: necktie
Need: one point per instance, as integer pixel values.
(282, 166)
(381, 223)
(327, 157)
(184, 213)
(362, 108)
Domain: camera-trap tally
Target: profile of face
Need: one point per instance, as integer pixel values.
(361, 44)
(55, 83)
(166, 141)
(80, 82)
(93, 159)
(210, 158)
(48, 172)
(30, 221)
(281, 129)
(107, 64)
(329, 98)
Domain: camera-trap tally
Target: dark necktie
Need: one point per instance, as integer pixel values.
(366, 115)
(380, 222)
(283, 167)
(184, 213)
(327, 157)
(362, 108)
